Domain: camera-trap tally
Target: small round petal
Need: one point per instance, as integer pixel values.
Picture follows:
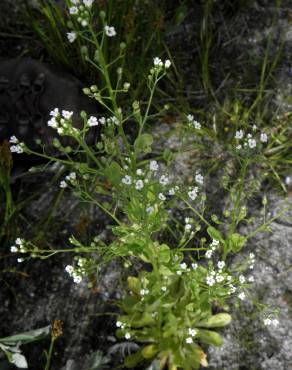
(71, 36)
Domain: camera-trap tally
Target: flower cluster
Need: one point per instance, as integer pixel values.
(249, 140)
(71, 178)
(18, 147)
(270, 321)
(193, 123)
(193, 193)
(62, 122)
(110, 31)
(158, 67)
(81, 10)
(121, 325)
(213, 247)
(251, 260)
(191, 333)
(77, 272)
(219, 276)
(19, 246)
(158, 63)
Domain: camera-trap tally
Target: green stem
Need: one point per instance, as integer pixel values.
(49, 354)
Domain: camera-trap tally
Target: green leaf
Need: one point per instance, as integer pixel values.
(113, 173)
(210, 337)
(235, 242)
(19, 361)
(214, 233)
(27, 337)
(133, 284)
(143, 143)
(149, 351)
(155, 365)
(167, 155)
(215, 321)
(163, 252)
(133, 360)
(97, 361)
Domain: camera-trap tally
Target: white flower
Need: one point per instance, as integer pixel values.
(242, 279)
(215, 243)
(16, 149)
(19, 260)
(171, 191)
(221, 264)
(88, 3)
(63, 184)
(192, 332)
(84, 23)
(150, 209)
(157, 62)
(238, 147)
(252, 143)
(219, 278)
(210, 280)
(53, 122)
(126, 86)
(189, 340)
(66, 114)
(193, 193)
(239, 134)
(153, 166)
(19, 241)
(167, 63)
(13, 140)
(127, 180)
(164, 288)
(139, 172)
(164, 180)
(251, 279)
(267, 321)
(119, 324)
(69, 269)
(209, 254)
(188, 227)
(144, 291)
(77, 279)
(73, 10)
(139, 184)
(275, 322)
(55, 112)
(190, 117)
(196, 125)
(127, 335)
(242, 296)
(183, 266)
(13, 249)
(102, 120)
(254, 127)
(251, 255)
(71, 176)
(194, 266)
(161, 196)
(71, 36)
(92, 121)
(199, 178)
(110, 31)
(263, 137)
(232, 289)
